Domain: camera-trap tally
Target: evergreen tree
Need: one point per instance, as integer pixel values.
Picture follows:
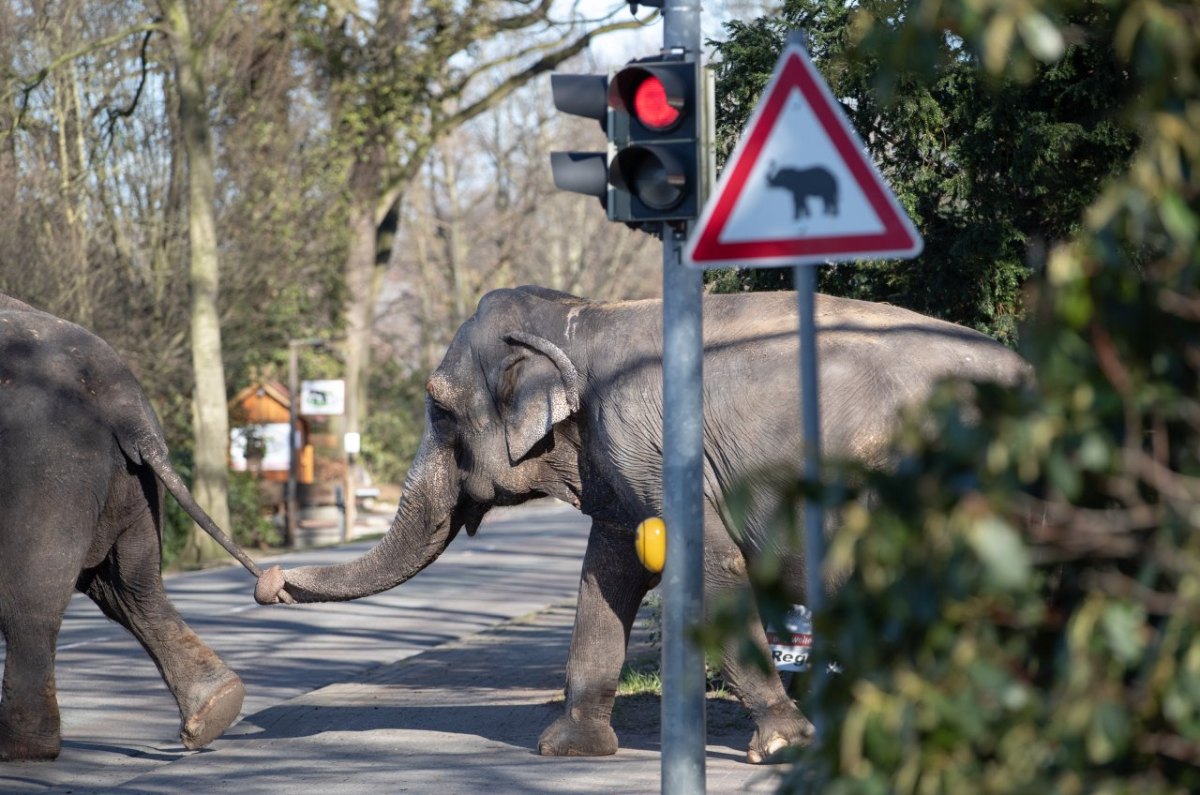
(992, 169)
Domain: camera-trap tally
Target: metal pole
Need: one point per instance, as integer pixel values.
(293, 501)
(683, 727)
(814, 520)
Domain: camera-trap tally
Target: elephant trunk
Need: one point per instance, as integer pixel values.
(424, 525)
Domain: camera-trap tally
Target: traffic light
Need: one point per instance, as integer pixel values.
(650, 111)
(655, 134)
(582, 172)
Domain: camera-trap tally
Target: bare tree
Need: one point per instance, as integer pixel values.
(485, 214)
(402, 76)
(114, 214)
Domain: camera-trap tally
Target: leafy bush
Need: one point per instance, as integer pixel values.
(1020, 605)
(393, 429)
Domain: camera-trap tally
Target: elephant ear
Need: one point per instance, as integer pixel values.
(538, 387)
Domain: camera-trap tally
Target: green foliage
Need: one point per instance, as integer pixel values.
(393, 429)
(993, 169)
(250, 527)
(1020, 595)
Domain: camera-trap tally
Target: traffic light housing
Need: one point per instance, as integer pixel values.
(651, 112)
(582, 172)
(655, 134)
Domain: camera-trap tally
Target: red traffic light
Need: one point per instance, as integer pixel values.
(651, 105)
(655, 95)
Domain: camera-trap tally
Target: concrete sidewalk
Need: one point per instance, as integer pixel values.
(461, 718)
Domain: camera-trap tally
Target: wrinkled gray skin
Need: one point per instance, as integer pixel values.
(542, 393)
(81, 458)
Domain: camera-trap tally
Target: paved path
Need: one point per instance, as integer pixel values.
(441, 685)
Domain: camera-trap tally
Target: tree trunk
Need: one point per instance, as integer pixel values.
(209, 411)
(360, 264)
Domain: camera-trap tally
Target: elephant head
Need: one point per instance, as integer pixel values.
(496, 433)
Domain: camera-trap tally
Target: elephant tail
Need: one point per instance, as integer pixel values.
(147, 447)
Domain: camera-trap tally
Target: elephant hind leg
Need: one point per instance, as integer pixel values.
(35, 589)
(779, 722)
(29, 717)
(127, 586)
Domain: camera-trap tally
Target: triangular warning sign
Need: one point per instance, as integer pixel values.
(799, 188)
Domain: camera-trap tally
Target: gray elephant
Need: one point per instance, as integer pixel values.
(81, 459)
(546, 394)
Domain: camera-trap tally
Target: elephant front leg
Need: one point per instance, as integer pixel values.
(610, 591)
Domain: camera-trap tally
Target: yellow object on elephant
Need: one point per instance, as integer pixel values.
(651, 543)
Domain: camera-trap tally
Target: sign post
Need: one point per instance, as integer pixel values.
(800, 190)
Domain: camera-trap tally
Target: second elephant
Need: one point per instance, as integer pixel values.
(546, 394)
(83, 465)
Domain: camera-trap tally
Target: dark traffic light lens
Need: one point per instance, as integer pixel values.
(651, 107)
(651, 174)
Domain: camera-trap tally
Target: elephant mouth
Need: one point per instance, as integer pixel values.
(469, 514)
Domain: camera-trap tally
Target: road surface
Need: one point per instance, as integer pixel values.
(441, 685)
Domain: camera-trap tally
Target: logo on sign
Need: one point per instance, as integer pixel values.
(323, 398)
(804, 183)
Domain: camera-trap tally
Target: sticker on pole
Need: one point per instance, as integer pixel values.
(791, 644)
(799, 188)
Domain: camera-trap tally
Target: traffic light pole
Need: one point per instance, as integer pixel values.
(683, 724)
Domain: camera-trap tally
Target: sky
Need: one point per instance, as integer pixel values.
(618, 48)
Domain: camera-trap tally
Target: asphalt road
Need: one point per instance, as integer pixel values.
(435, 686)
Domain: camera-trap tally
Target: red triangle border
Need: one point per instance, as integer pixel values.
(898, 238)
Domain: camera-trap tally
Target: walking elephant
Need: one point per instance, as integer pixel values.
(81, 459)
(547, 394)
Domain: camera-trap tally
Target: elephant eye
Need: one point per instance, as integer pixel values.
(442, 419)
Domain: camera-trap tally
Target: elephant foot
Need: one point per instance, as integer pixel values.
(566, 737)
(780, 728)
(216, 710)
(24, 747)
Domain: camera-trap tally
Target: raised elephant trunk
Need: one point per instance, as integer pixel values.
(424, 525)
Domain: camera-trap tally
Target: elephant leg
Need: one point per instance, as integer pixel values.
(610, 591)
(128, 588)
(778, 721)
(36, 581)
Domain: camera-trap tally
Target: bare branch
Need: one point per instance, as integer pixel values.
(538, 14)
(127, 111)
(28, 86)
(516, 81)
